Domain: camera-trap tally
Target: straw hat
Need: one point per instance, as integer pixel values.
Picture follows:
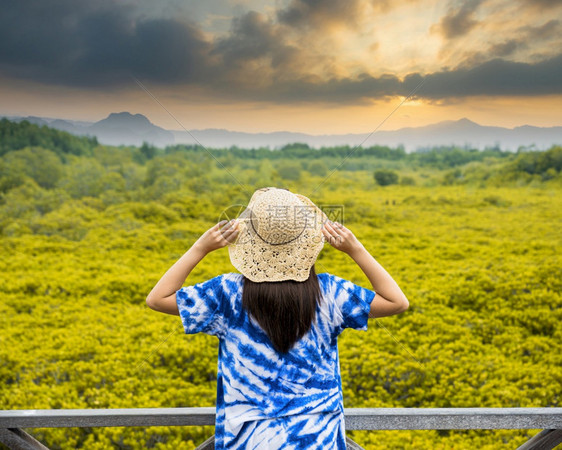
(280, 236)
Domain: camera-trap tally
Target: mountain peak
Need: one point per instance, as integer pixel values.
(126, 128)
(466, 121)
(127, 117)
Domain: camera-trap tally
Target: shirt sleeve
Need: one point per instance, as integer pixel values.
(202, 307)
(352, 303)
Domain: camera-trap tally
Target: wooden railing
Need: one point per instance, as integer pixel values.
(548, 419)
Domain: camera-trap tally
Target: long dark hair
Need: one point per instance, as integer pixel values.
(284, 309)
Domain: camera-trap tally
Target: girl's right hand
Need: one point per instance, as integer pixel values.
(340, 237)
(218, 236)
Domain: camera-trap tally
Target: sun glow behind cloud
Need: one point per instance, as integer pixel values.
(296, 65)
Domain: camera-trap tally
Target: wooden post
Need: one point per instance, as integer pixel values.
(545, 440)
(352, 445)
(209, 444)
(18, 439)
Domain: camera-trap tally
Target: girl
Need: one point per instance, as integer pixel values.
(278, 381)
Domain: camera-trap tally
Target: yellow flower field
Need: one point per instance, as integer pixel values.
(480, 263)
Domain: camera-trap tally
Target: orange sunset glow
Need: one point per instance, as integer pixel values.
(304, 66)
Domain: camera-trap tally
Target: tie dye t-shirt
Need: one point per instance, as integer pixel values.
(265, 399)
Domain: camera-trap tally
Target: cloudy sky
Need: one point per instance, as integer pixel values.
(315, 66)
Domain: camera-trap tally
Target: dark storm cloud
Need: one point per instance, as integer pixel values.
(549, 29)
(459, 20)
(253, 36)
(99, 45)
(343, 90)
(525, 35)
(541, 4)
(497, 77)
(321, 13)
(37, 32)
(75, 43)
(528, 35)
(505, 48)
(492, 78)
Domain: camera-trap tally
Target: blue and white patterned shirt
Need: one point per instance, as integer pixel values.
(265, 399)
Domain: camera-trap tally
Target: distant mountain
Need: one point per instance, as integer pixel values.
(132, 129)
(65, 126)
(116, 129)
(37, 120)
(462, 132)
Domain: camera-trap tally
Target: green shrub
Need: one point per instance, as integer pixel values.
(407, 181)
(318, 168)
(385, 177)
(289, 170)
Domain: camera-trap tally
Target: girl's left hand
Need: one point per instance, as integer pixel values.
(219, 236)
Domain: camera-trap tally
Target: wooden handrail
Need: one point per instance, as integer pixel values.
(548, 419)
(355, 418)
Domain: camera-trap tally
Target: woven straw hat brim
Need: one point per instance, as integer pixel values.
(291, 259)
